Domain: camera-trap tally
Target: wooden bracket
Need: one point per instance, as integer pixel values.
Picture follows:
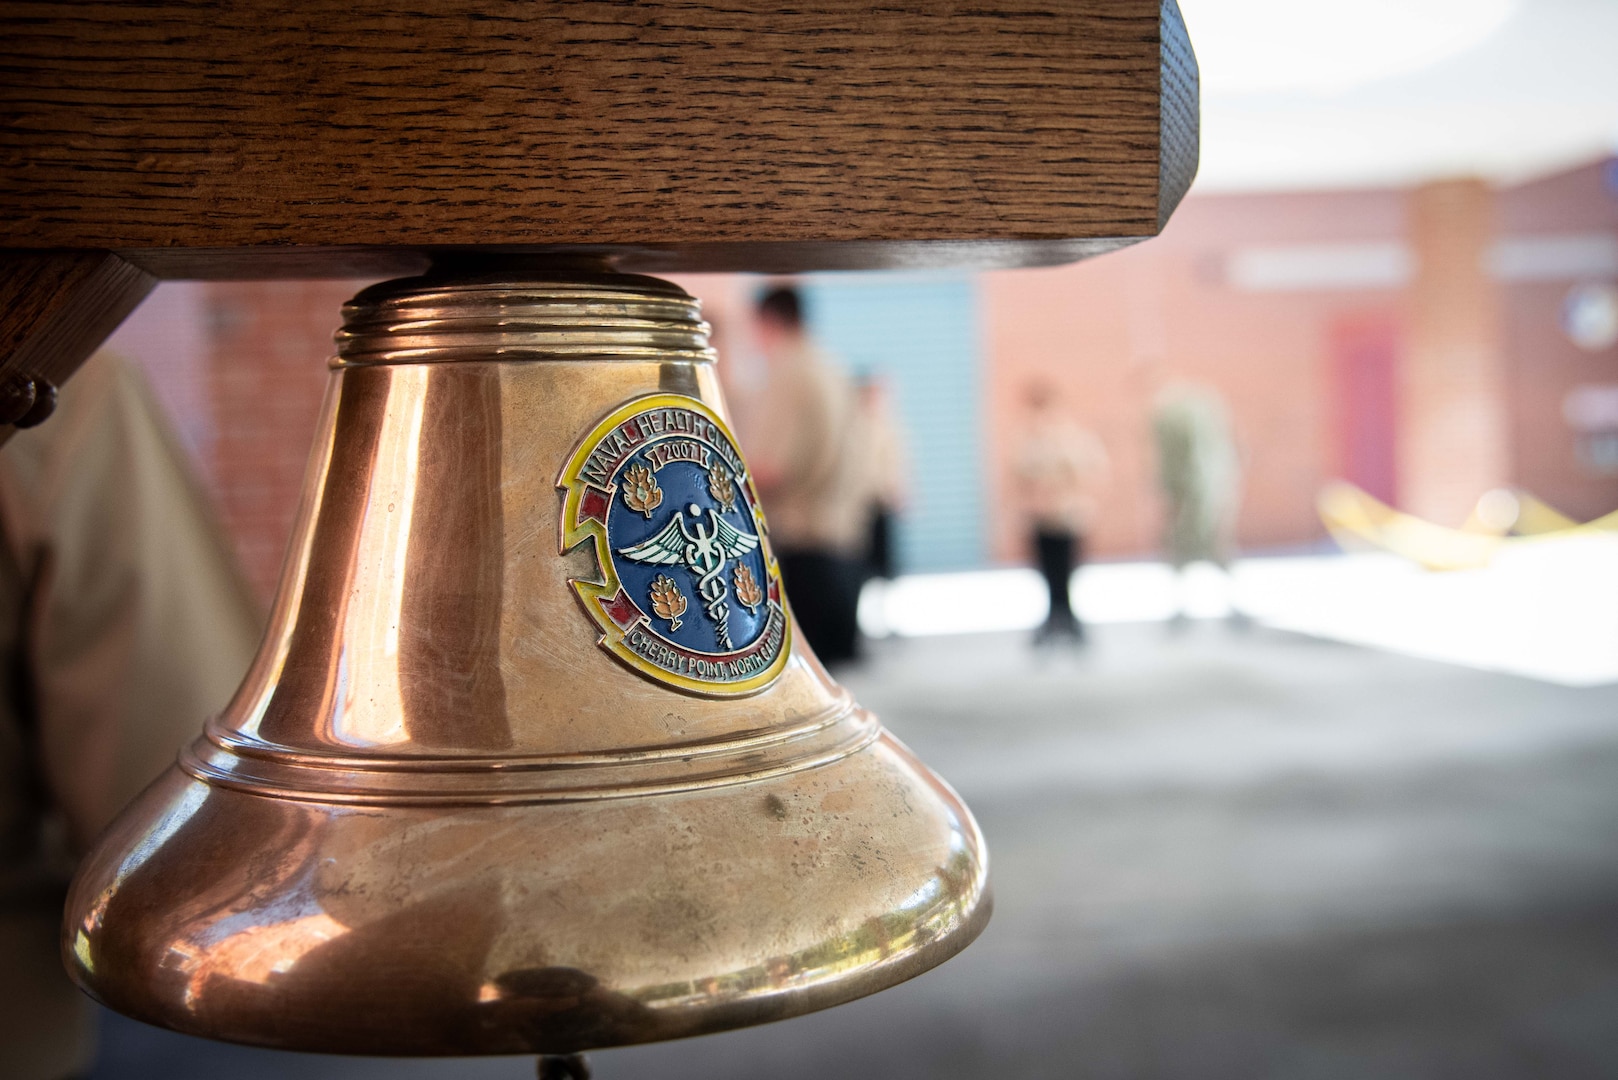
(56, 307)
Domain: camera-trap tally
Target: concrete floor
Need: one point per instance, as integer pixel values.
(1214, 855)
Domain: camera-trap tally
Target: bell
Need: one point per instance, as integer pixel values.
(532, 758)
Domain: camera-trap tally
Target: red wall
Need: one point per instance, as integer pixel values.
(1542, 364)
(1112, 331)
(269, 344)
(1364, 352)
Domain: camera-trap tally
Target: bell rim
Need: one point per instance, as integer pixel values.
(956, 921)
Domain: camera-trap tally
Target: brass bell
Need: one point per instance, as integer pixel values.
(531, 758)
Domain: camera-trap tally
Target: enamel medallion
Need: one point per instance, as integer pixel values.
(688, 593)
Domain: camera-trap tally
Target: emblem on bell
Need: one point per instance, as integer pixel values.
(449, 812)
(683, 500)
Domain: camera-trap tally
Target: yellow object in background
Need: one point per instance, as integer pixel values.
(1537, 519)
(1358, 520)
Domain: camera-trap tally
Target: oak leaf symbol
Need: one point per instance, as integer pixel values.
(747, 589)
(667, 600)
(721, 485)
(641, 492)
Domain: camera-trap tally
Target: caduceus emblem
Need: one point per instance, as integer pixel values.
(704, 552)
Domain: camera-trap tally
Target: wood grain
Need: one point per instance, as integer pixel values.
(57, 307)
(676, 134)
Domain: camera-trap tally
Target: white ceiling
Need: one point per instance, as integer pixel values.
(1354, 93)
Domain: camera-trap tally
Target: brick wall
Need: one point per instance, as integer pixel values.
(1566, 217)
(268, 344)
(1454, 427)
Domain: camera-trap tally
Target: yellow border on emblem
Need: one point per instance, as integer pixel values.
(591, 593)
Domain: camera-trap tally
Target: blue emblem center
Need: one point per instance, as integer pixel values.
(686, 549)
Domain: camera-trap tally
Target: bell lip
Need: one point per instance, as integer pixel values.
(969, 911)
(715, 1020)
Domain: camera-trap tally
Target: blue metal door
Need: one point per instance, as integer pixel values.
(920, 332)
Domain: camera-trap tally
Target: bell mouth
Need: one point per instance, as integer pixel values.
(533, 314)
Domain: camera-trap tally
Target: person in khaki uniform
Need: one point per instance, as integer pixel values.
(805, 460)
(886, 468)
(123, 624)
(1060, 469)
(1199, 474)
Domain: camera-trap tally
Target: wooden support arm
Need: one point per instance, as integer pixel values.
(56, 307)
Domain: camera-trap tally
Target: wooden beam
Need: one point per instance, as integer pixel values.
(150, 139)
(736, 134)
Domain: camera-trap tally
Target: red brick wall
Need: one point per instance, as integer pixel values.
(1453, 432)
(268, 344)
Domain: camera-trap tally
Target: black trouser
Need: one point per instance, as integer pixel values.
(879, 560)
(825, 593)
(1059, 553)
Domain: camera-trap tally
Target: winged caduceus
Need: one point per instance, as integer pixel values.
(702, 551)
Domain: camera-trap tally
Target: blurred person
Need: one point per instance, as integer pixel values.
(1199, 474)
(1060, 468)
(882, 450)
(124, 623)
(807, 465)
